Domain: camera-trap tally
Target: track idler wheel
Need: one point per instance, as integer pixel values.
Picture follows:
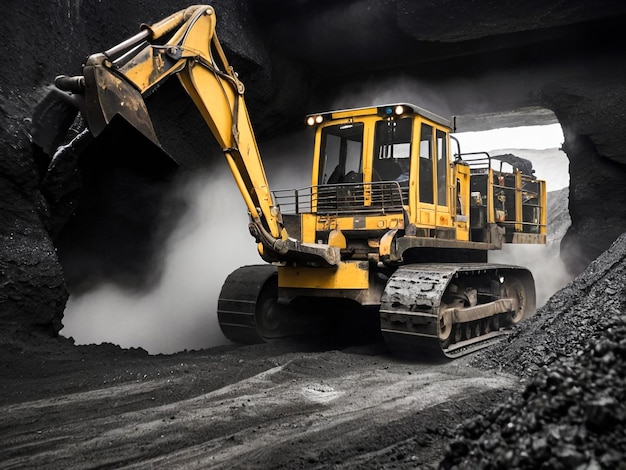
(444, 330)
(445, 326)
(513, 288)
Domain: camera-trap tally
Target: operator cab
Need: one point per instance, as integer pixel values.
(397, 149)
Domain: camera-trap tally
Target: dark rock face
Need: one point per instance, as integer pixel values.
(32, 293)
(454, 58)
(592, 187)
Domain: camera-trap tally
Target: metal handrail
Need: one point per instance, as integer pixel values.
(344, 198)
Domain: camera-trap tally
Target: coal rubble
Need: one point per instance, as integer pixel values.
(571, 358)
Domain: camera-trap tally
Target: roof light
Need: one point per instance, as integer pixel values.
(312, 120)
(393, 110)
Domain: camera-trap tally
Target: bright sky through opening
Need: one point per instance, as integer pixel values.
(525, 137)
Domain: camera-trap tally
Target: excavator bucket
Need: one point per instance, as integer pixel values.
(118, 134)
(108, 96)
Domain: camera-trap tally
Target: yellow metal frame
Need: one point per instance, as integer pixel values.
(461, 173)
(360, 222)
(348, 275)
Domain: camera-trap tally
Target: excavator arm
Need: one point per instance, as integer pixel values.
(185, 44)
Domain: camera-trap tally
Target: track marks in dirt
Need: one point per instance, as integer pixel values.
(298, 410)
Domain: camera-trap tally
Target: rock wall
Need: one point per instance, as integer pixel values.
(456, 58)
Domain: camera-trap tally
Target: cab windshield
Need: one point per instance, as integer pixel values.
(392, 150)
(341, 154)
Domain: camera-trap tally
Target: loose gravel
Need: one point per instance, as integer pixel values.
(571, 358)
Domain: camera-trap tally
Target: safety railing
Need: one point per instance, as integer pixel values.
(509, 192)
(353, 198)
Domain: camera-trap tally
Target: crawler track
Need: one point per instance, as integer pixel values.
(454, 309)
(249, 312)
(434, 309)
(238, 301)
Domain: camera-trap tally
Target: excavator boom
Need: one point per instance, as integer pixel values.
(185, 45)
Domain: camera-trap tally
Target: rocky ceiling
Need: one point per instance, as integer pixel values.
(491, 63)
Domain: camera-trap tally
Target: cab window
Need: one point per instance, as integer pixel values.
(392, 150)
(426, 164)
(340, 154)
(442, 168)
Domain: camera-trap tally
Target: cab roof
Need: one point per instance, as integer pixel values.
(386, 110)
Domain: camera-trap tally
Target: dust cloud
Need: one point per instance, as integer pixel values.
(180, 313)
(211, 241)
(547, 269)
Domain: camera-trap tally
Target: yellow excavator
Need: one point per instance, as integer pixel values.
(396, 219)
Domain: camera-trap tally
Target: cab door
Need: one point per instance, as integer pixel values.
(442, 172)
(426, 176)
(433, 174)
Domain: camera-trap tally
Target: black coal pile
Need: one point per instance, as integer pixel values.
(571, 357)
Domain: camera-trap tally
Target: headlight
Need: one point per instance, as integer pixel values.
(312, 120)
(393, 110)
